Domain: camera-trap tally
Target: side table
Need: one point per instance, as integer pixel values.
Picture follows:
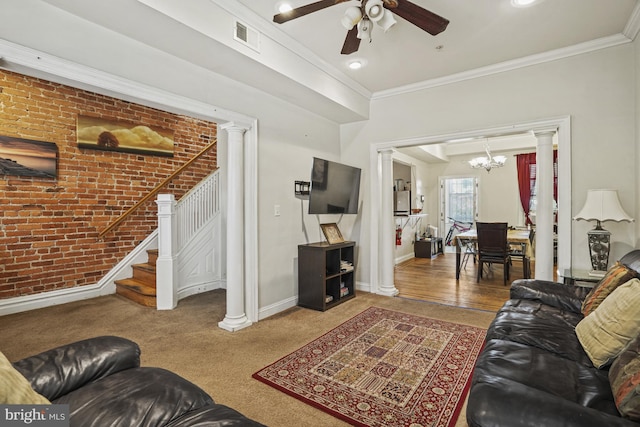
(428, 248)
(578, 277)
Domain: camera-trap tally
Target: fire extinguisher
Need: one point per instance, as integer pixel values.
(399, 236)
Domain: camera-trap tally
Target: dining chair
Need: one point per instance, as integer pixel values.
(468, 250)
(493, 247)
(518, 251)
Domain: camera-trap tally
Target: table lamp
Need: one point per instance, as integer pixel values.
(601, 205)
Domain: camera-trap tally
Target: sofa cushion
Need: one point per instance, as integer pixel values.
(534, 323)
(550, 293)
(615, 276)
(14, 387)
(624, 377)
(134, 397)
(608, 329)
(535, 371)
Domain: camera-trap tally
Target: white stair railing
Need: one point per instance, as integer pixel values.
(196, 209)
(178, 224)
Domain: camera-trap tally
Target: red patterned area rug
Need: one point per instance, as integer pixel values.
(383, 368)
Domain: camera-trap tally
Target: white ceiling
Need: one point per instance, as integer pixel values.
(300, 60)
(481, 33)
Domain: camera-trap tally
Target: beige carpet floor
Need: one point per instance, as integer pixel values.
(188, 341)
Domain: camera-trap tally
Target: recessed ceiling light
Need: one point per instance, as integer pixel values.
(522, 3)
(285, 7)
(356, 64)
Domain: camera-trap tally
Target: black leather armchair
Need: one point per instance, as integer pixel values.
(104, 385)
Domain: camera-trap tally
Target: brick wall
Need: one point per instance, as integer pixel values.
(49, 228)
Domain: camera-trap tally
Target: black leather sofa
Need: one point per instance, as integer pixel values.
(533, 370)
(104, 385)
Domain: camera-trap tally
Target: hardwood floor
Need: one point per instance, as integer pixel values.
(435, 280)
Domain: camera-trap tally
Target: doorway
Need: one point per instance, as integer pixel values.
(458, 206)
(381, 221)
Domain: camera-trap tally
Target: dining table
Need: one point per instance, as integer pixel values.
(514, 237)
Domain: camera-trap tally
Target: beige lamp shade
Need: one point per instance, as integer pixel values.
(603, 205)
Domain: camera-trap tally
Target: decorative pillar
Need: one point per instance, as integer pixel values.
(235, 318)
(166, 273)
(387, 286)
(544, 208)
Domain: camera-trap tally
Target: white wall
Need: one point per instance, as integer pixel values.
(595, 89)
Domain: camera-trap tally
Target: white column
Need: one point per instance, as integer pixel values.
(387, 229)
(235, 318)
(166, 273)
(544, 208)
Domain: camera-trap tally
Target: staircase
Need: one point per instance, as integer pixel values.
(141, 288)
(186, 228)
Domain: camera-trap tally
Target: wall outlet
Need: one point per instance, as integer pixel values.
(276, 210)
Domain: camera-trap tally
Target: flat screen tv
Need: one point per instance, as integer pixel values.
(335, 188)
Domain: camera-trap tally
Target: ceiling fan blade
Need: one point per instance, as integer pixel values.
(305, 10)
(351, 43)
(421, 18)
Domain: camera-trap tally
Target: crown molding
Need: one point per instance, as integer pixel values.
(553, 55)
(31, 62)
(633, 24)
(251, 18)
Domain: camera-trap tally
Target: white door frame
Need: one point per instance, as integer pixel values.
(560, 124)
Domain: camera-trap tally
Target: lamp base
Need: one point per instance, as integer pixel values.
(599, 244)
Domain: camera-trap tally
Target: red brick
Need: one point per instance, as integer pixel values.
(49, 228)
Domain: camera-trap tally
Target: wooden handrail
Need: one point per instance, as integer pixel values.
(157, 189)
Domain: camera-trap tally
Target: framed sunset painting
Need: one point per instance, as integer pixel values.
(26, 157)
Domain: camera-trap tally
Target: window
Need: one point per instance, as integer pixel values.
(459, 201)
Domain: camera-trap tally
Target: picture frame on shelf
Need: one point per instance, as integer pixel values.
(332, 233)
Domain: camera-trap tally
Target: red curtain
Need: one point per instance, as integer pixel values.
(526, 181)
(526, 164)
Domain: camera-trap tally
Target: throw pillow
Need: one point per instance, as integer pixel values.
(624, 377)
(605, 332)
(616, 276)
(14, 387)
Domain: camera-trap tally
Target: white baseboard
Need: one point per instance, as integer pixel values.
(364, 287)
(199, 288)
(276, 308)
(57, 297)
(404, 258)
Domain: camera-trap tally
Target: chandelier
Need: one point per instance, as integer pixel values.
(489, 162)
(372, 12)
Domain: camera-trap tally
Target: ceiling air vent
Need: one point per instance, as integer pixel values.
(247, 36)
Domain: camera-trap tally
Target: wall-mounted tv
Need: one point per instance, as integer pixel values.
(335, 188)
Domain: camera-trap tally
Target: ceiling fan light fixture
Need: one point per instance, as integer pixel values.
(364, 29)
(352, 16)
(374, 10)
(387, 21)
